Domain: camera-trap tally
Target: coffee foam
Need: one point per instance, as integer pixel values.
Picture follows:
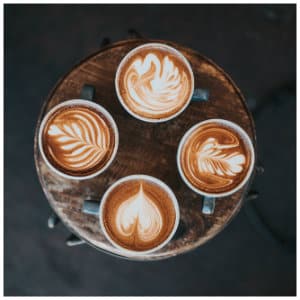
(214, 158)
(155, 83)
(78, 140)
(138, 215)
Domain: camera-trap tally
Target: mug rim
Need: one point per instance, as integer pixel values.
(153, 180)
(87, 103)
(157, 45)
(241, 132)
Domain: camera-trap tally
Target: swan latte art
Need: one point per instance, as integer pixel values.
(215, 158)
(154, 82)
(78, 140)
(138, 215)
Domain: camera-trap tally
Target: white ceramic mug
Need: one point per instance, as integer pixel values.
(96, 208)
(87, 92)
(209, 198)
(198, 94)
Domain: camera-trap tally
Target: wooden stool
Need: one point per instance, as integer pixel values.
(145, 148)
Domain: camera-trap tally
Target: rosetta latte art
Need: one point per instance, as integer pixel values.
(155, 86)
(214, 159)
(139, 216)
(77, 139)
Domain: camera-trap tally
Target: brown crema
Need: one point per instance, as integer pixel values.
(155, 83)
(78, 140)
(214, 158)
(138, 215)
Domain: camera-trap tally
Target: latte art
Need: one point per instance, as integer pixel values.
(214, 158)
(156, 86)
(138, 214)
(78, 139)
(155, 83)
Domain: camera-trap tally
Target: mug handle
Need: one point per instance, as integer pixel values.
(200, 95)
(208, 202)
(91, 207)
(87, 92)
(208, 205)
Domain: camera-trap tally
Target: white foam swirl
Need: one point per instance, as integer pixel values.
(140, 217)
(155, 85)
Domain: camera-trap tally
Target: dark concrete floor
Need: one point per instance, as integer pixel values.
(256, 45)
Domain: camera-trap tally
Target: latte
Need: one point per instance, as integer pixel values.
(154, 82)
(78, 139)
(139, 214)
(215, 157)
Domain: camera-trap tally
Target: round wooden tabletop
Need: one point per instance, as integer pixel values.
(145, 148)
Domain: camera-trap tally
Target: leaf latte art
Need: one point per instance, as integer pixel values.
(138, 215)
(78, 140)
(155, 84)
(214, 158)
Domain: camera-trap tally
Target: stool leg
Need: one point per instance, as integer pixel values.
(53, 220)
(105, 41)
(134, 34)
(252, 195)
(259, 168)
(73, 240)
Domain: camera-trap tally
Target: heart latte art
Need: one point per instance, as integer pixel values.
(78, 140)
(138, 215)
(214, 158)
(155, 83)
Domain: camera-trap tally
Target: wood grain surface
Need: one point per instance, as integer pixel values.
(145, 148)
